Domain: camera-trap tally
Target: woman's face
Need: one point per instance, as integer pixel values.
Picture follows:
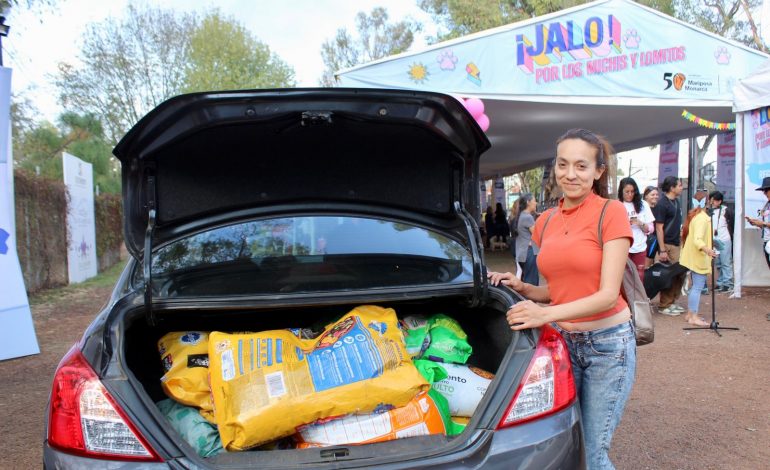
(576, 168)
(652, 197)
(532, 205)
(628, 193)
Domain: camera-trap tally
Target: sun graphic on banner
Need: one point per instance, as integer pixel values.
(418, 72)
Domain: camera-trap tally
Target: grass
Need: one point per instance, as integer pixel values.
(106, 278)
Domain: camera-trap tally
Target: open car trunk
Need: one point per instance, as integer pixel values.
(493, 345)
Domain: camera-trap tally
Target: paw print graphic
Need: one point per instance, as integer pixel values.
(4, 236)
(631, 39)
(446, 60)
(722, 55)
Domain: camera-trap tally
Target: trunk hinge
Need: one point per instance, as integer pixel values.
(479, 270)
(147, 261)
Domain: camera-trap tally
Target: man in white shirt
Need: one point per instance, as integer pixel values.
(722, 222)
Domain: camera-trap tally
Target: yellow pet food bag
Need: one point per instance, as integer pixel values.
(420, 417)
(267, 384)
(185, 358)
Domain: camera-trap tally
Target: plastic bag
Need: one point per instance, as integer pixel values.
(185, 358)
(267, 384)
(448, 341)
(416, 334)
(464, 387)
(192, 427)
(427, 413)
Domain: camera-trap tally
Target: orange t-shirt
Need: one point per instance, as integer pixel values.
(571, 262)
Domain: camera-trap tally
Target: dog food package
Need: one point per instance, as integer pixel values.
(459, 423)
(448, 341)
(416, 334)
(192, 427)
(185, 358)
(426, 413)
(265, 385)
(464, 387)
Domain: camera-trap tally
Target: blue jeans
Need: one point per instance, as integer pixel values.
(724, 263)
(693, 298)
(529, 273)
(604, 366)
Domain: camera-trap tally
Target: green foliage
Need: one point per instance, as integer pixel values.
(128, 67)
(108, 213)
(376, 39)
(224, 55)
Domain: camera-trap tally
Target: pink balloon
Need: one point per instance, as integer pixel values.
(483, 122)
(474, 106)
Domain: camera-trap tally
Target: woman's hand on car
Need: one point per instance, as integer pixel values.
(526, 314)
(506, 279)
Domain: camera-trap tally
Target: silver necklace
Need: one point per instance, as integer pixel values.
(563, 220)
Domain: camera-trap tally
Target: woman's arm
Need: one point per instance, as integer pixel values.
(530, 315)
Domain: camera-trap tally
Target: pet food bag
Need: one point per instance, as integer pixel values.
(448, 341)
(185, 358)
(464, 387)
(426, 413)
(265, 385)
(416, 334)
(192, 427)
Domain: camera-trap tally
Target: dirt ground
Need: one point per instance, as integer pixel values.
(700, 401)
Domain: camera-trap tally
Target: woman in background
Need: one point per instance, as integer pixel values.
(501, 222)
(641, 219)
(526, 251)
(489, 225)
(696, 256)
(650, 196)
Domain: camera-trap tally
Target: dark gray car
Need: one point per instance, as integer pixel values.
(284, 208)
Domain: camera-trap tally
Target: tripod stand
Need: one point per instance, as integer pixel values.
(714, 325)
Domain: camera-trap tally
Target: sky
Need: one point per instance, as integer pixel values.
(294, 29)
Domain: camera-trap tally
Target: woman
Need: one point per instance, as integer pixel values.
(501, 222)
(650, 196)
(696, 256)
(583, 287)
(513, 220)
(489, 225)
(526, 252)
(641, 219)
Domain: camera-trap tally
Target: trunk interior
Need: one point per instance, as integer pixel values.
(486, 327)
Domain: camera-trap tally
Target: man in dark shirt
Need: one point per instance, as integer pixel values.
(668, 226)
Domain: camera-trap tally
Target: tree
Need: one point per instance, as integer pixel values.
(224, 55)
(376, 39)
(128, 67)
(722, 17)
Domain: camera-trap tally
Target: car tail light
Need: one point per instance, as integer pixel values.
(85, 420)
(548, 385)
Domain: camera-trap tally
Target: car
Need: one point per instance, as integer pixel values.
(270, 209)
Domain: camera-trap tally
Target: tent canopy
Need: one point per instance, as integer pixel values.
(753, 92)
(613, 66)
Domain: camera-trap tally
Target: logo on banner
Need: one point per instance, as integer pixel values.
(4, 236)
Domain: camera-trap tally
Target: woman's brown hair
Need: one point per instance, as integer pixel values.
(686, 227)
(604, 151)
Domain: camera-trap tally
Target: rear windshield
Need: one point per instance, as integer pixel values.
(307, 254)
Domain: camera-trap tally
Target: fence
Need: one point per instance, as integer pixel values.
(41, 230)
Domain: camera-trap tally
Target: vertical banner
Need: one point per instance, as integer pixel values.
(726, 165)
(81, 232)
(669, 161)
(17, 332)
(500, 191)
(757, 160)
(482, 197)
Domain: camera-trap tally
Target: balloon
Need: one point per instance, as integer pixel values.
(474, 106)
(483, 122)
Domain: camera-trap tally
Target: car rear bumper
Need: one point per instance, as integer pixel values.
(553, 442)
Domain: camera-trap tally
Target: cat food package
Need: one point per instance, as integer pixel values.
(448, 341)
(192, 427)
(267, 384)
(464, 387)
(185, 359)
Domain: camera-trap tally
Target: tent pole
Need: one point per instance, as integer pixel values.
(738, 228)
(692, 171)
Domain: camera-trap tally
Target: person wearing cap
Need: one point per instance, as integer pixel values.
(763, 222)
(723, 222)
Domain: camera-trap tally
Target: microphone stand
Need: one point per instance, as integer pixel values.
(714, 325)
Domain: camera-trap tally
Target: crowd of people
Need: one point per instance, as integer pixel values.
(580, 249)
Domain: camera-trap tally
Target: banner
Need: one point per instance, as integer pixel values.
(669, 161)
(757, 160)
(81, 232)
(613, 48)
(726, 165)
(482, 197)
(17, 332)
(500, 191)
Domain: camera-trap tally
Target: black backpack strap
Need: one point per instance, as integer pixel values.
(601, 220)
(547, 219)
